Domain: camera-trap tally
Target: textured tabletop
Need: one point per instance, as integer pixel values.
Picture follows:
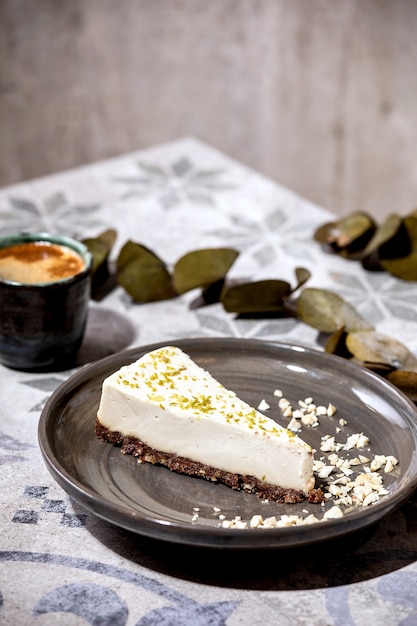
(59, 563)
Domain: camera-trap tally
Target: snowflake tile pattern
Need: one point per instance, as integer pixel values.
(180, 181)
(173, 199)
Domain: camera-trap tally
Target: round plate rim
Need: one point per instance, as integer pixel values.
(207, 536)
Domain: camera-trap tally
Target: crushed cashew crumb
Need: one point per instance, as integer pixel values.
(263, 406)
(347, 480)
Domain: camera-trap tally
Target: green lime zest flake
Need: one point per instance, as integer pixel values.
(155, 398)
(199, 403)
(133, 384)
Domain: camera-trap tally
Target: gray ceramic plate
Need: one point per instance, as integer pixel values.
(156, 502)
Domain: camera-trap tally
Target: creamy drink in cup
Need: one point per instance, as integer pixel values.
(44, 296)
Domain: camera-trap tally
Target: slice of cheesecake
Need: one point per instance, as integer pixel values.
(167, 410)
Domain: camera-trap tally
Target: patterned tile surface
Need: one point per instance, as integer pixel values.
(57, 560)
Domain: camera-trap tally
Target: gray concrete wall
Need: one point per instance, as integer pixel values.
(320, 95)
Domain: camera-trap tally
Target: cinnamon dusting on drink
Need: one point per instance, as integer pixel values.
(39, 262)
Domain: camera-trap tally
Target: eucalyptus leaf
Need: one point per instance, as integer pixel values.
(336, 344)
(390, 239)
(102, 281)
(410, 222)
(98, 251)
(383, 369)
(143, 274)
(406, 266)
(264, 296)
(302, 275)
(406, 381)
(349, 235)
(327, 311)
(212, 292)
(201, 268)
(374, 347)
(353, 227)
(108, 237)
(324, 233)
(100, 247)
(392, 246)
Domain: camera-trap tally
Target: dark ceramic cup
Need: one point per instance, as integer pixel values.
(42, 316)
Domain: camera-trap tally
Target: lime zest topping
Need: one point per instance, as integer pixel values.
(162, 372)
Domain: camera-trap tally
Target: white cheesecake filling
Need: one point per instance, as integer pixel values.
(172, 405)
